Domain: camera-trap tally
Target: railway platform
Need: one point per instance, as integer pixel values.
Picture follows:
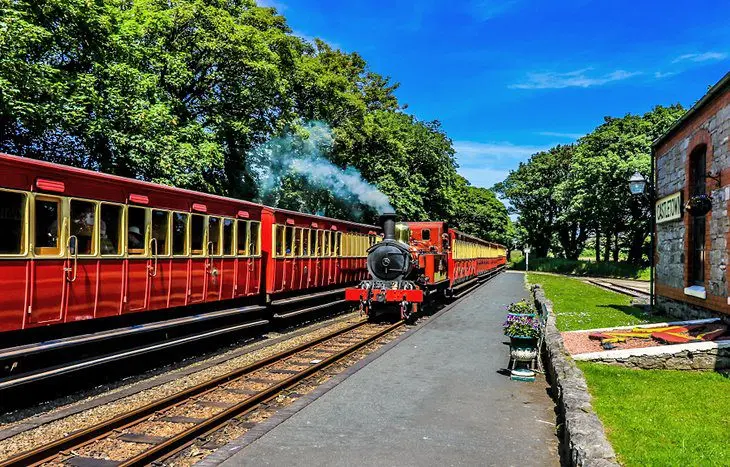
(439, 396)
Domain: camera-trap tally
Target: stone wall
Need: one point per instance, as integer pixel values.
(706, 356)
(583, 439)
(685, 311)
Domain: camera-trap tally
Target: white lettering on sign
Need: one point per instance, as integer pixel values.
(669, 208)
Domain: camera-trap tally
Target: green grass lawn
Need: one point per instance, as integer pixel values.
(578, 305)
(659, 417)
(618, 270)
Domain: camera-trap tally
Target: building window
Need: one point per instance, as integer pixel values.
(697, 181)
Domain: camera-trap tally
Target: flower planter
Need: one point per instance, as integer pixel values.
(699, 205)
(523, 342)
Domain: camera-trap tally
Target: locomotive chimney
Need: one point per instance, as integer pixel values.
(387, 221)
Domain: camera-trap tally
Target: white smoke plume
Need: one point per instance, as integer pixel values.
(303, 154)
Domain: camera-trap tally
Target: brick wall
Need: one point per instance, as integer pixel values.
(710, 126)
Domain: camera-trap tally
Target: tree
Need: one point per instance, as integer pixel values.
(480, 213)
(532, 191)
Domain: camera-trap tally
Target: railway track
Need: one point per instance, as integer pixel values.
(162, 428)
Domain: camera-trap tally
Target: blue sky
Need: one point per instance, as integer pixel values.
(508, 78)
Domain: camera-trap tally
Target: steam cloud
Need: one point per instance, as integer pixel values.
(302, 154)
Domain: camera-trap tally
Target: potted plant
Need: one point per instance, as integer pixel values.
(522, 326)
(698, 205)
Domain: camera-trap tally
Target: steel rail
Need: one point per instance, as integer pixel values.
(51, 449)
(216, 421)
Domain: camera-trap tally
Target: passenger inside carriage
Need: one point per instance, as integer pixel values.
(83, 218)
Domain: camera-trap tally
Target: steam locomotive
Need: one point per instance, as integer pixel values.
(416, 260)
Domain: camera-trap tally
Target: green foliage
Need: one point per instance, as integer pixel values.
(661, 417)
(578, 305)
(181, 92)
(617, 270)
(568, 194)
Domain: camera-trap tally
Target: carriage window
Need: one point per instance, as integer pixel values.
(242, 238)
(279, 240)
(326, 244)
(197, 234)
(136, 231)
(227, 236)
(47, 226)
(83, 217)
(160, 224)
(305, 242)
(297, 242)
(289, 240)
(425, 234)
(110, 229)
(336, 243)
(12, 223)
(179, 234)
(214, 235)
(254, 248)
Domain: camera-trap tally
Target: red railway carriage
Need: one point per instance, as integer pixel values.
(77, 244)
(313, 252)
(471, 257)
(80, 245)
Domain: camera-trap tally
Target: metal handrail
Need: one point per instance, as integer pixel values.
(76, 257)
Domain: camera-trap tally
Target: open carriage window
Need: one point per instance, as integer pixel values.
(306, 234)
(425, 234)
(214, 235)
(228, 237)
(47, 226)
(160, 225)
(289, 241)
(136, 226)
(12, 223)
(254, 246)
(197, 234)
(179, 234)
(110, 229)
(242, 235)
(279, 240)
(83, 219)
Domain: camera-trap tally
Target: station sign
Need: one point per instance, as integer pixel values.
(669, 208)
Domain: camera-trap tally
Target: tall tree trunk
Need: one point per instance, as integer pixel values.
(636, 247)
(607, 247)
(616, 247)
(598, 245)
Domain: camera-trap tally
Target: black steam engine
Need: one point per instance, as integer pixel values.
(394, 273)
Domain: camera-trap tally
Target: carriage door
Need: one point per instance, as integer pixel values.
(199, 260)
(138, 273)
(49, 273)
(160, 263)
(254, 257)
(215, 260)
(82, 248)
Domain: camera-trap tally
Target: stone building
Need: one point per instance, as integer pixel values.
(692, 159)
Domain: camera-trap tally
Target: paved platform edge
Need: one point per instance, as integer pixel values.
(227, 451)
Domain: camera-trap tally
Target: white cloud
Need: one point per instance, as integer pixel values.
(485, 164)
(470, 150)
(701, 57)
(660, 75)
(272, 4)
(483, 177)
(558, 134)
(309, 38)
(578, 79)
